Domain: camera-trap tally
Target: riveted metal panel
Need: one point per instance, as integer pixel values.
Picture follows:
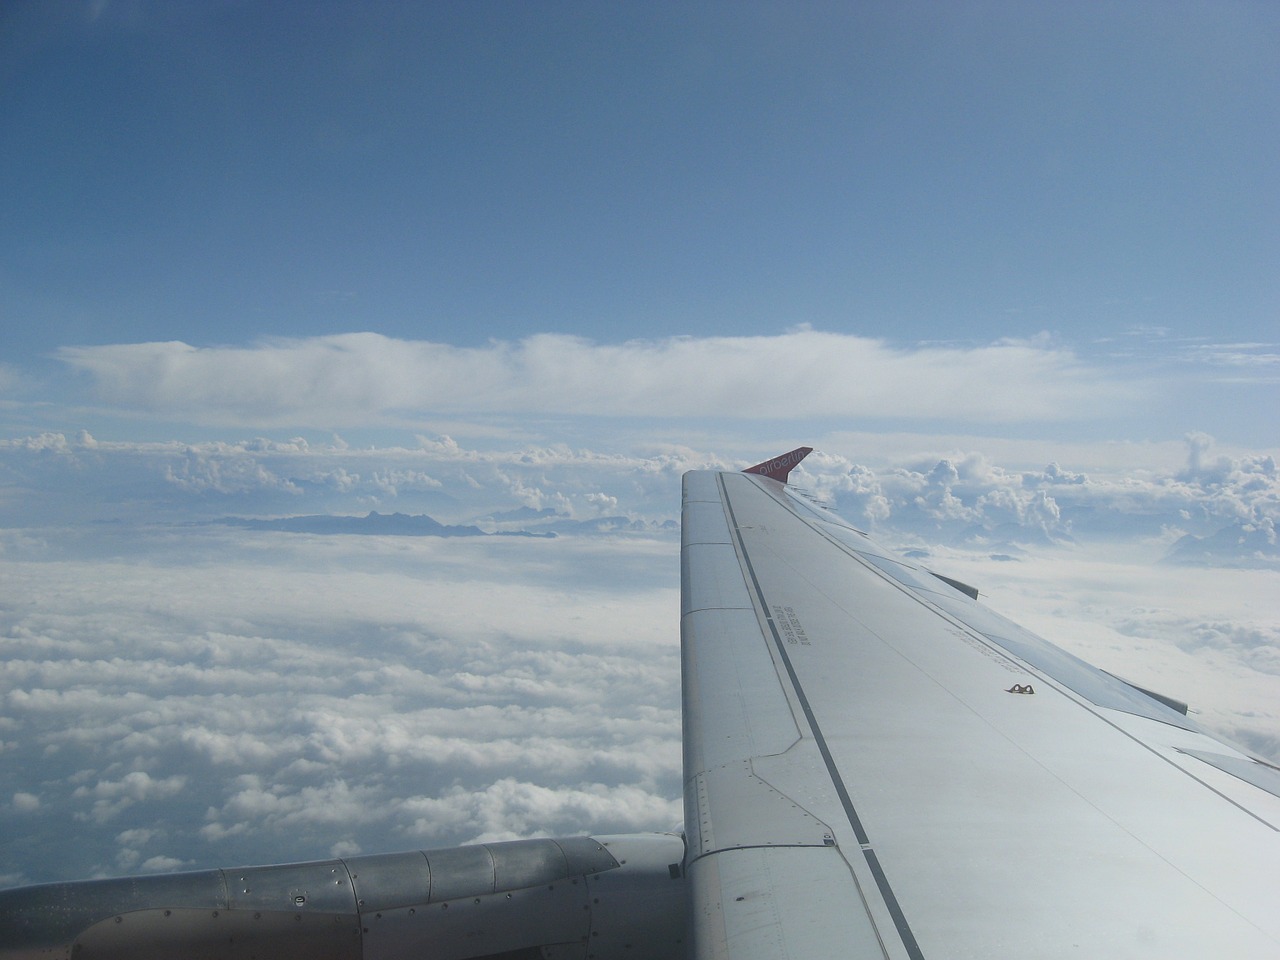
(221, 935)
(638, 911)
(388, 880)
(45, 919)
(585, 855)
(490, 899)
(736, 808)
(460, 872)
(482, 925)
(319, 887)
(524, 863)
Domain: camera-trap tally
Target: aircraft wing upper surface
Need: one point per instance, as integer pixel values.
(876, 765)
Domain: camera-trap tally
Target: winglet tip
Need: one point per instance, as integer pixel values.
(779, 468)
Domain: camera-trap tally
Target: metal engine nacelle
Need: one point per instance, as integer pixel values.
(581, 898)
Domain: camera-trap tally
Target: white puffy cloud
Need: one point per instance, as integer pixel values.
(509, 809)
(963, 497)
(163, 864)
(111, 797)
(357, 378)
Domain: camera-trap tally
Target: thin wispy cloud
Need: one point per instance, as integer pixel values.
(353, 379)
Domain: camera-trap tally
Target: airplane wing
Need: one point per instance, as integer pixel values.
(876, 765)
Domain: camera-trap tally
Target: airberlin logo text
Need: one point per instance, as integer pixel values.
(788, 460)
(779, 467)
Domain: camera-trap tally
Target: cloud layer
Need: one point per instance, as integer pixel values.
(957, 497)
(180, 693)
(256, 696)
(353, 379)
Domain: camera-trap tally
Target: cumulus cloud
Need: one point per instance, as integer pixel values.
(964, 498)
(357, 378)
(111, 797)
(510, 809)
(162, 864)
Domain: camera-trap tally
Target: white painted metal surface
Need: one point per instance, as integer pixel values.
(849, 718)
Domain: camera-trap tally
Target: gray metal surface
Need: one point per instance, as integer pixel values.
(639, 909)
(565, 898)
(968, 819)
(460, 872)
(44, 920)
(389, 880)
(1096, 685)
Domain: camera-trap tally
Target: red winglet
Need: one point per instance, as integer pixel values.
(779, 468)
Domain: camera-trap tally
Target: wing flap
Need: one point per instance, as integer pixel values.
(703, 522)
(734, 704)
(736, 808)
(718, 584)
(779, 904)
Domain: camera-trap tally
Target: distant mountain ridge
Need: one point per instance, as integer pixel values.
(1239, 544)
(546, 524)
(372, 523)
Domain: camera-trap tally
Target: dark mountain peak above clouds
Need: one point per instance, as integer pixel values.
(385, 524)
(1244, 543)
(539, 523)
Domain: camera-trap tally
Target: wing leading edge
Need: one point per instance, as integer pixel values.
(866, 773)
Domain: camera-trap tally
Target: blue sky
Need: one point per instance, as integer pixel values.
(1100, 177)
(1009, 267)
